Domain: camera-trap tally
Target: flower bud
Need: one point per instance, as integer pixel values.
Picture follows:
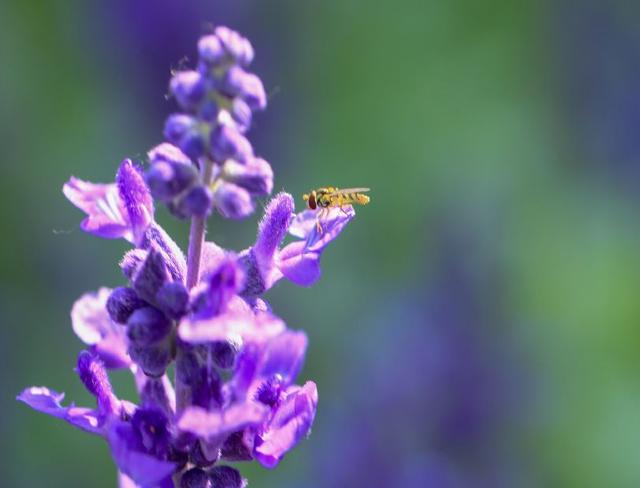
(227, 142)
(152, 359)
(226, 477)
(122, 302)
(198, 457)
(256, 176)
(236, 46)
(132, 261)
(195, 478)
(150, 276)
(173, 299)
(182, 130)
(209, 111)
(241, 114)
(196, 202)
(210, 50)
(167, 179)
(169, 153)
(236, 448)
(248, 86)
(224, 353)
(147, 326)
(189, 88)
(232, 201)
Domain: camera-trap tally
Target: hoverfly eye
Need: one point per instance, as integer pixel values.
(312, 201)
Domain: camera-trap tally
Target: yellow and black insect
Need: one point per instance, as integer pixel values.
(326, 198)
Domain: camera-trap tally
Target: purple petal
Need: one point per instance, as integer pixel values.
(106, 214)
(290, 422)
(284, 356)
(94, 327)
(304, 226)
(272, 229)
(298, 264)
(300, 261)
(212, 256)
(49, 401)
(231, 326)
(141, 468)
(136, 197)
(221, 286)
(125, 482)
(218, 423)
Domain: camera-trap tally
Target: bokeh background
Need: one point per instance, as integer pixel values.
(477, 325)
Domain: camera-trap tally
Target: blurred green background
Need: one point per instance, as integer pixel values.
(477, 324)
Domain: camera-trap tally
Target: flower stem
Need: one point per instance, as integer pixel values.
(197, 231)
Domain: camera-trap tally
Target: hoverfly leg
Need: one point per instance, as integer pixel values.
(321, 214)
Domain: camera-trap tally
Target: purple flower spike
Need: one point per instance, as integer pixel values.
(48, 401)
(300, 261)
(136, 198)
(233, 396)
(92, 324)
(290, 422)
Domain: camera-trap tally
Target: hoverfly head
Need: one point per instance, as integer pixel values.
(310, 199)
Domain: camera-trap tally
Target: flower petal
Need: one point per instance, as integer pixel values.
(233, 326)
(141, 468)
(106, 214)
(209, 425)
(284, 356)
(92, 324)
(49, 401)
(304, 226)
(136, 198)
(298, 264)
(290, 422)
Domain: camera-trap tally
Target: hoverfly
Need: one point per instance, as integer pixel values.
(326, 198)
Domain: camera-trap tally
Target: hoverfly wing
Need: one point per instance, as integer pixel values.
(343, 191)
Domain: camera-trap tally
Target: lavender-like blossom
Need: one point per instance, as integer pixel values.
(208, 163)
(234, 396)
